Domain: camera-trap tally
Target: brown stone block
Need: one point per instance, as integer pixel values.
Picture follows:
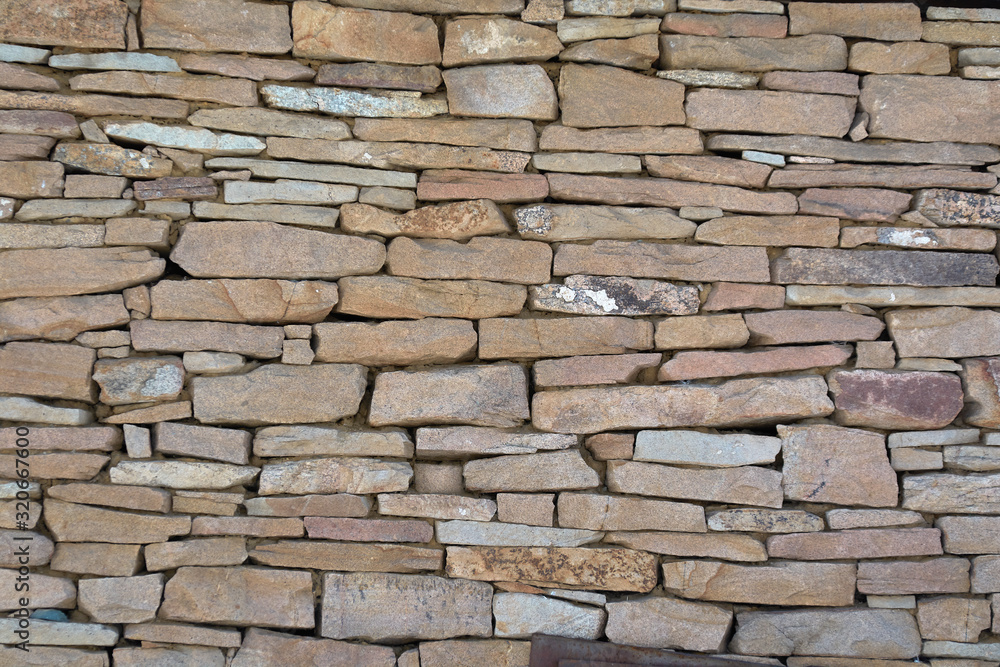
(601, 96)
(256, 301)
(348, 557)
(822, 266)
(481, 258)
(396, 343)
(938, 575)
(338, 33)
(726, 25)
(590, 370)
(550, 471)
(53, 370)
(80, 523)
(896, 400)
(368, 530)
(884, 21)
(769, 111)
(501, 91)
(215, 25)
(445, 184)
(87, 24)
(535, 338)
(856, 544)
(782, 583)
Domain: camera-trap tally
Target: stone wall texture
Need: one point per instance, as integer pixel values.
(494, 333)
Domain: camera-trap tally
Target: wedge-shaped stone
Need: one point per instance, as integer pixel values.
(535, 338)
(504, 135)
(830, 464)
(330, 441)
(709, 169)
(938, 575)
(856, 544)
(655, 260)
(87, 24)
(80, 523)
(394, 607)
(634, 53)
(744, 402)
(131, 498)
(584, 91)
(550, 471)
(26, 180)
(886, 21)
(337, 33)
(280, 394)
(352, 102)
(855, 203)
(638, 140)
(754, 520)
(240, 596)
(896, 400)
(381, 297)
(522, 615)
(916, 108)
(916, 238)
(460, 442)
(549, 222)
(849, 633)
(746, 485)
(312, 216)
(699, 365)
(705, 449)
(778, 327)
(769, 111)
(112, 160)
(961, 494)
(595, 369)
(270, 123)
(53, 370)
(666, 192)
(421, 78)
(459, 220)
(275, 169)
(348, 557)
(495, 534)
(57, 633)
(472, 41)
(949, 208)
(575, 568)
(258, 342)
(121, 599)
(95, 105)
(659, 622)
(753, 54)
(505, 260)
(944, 332)
(144, 380)
(396, 343)
(501, 91)
(185, 138)
(215, 25)
(686, 545)
(787, 584)
(590, 295)
(883, 267)
(234, 92)
(809, 176)
(799, 230)
(219, 444)
(601, 512)
(851, 151)
(334, 475)
(232, 250)
(262, 647)
(182, 474)
(256, 301)
(436, 506)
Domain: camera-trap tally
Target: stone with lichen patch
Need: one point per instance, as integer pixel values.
(139, 380)
(458, 220)
(595, 295)
(898, 400)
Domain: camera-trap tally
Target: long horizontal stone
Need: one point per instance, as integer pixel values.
(280, 394)
(903, 178)
(640, 100)
(31, 236)
(726, 546)
(506, 260)
(661, 622)
(522, 615)
(235, 92)
(348, 557)
(351, 102)
(658, 260)
(884, 297)
(982, 240)
(851, 151)
(561, 337)
(56, 438)
(500, 134)
(29, 179)
(458, 220)
(856, 544)
(19, 408)
(495, 534)
(889, 21)
(753, 54)
(746, 485)
(779, 327)
(638, 140)
(255, 301)
(460, 442)
(400, 608)
(311, 216)
(216, 25)
(142, 62)
(254, 120)
(855, 203)
(883, 267)
(367, 530)
(186, 138)
(88, 24)
(782, 583)
(549, 471)
(705, 449)
(333, 33)
(439, 6)
(569, 567)
(112, 160)
(392, 297)
(219, 444)
(334, 475)
(896, 400)
(60, 633)
(59, 318)
(338, 504)
(734, 403)
(952, 332)
(436, 506)
(949, 208)
(716, 109)
(709, 169)
(947, 493)
(72, 271)
(94, 105)
(182, 474)
(604, 512)
(177, 336)
(764, 521)
(80, 523)
(667, 192)
(285, 191)
(52, 209)
(446, 184)
(210, 250)
(697, 365)
(267, 647)
(593, 369)
(396, 343)
(274, 169)
(591, 295)
(552, 222)
(938, 575)
(330, 441)
(53, 124)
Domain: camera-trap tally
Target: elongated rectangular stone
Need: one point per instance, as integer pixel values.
(812, 53)
(535, 338)
(744, 402)
(882, 297)
(94, 105)
(330, 441)
(59, 318)
(215, 25)
(185, 138)
(29, 179)
(659, 260)
(947, 493)
(285, 191)
(368, 530)
(897, 21)
(938, 575)
(235, 92)
(666, 192)
(87, 24)
(182, 474)
(339, 504)
(352, 102)
(704, 449)
(396, 343)
(348, 557)
(274, 169)
(744, 485)
(178, 336)
(506, 260)
(883, 267)
(334, 475)
(52, 209)
(569, 567)
(392, 297)
(56, 438)
(312, 216)
(592, 295)
(769, 111)
(638, 140)
(698, 365)
(783, 583)
(267, 647)
(856, 544)
(880, 176)
(500, 134)
(496, 534)
(422, 78)
(436, 506)
(605, 512)
(593, 369)
(552, 222)
(53, 370)
(80, 523)
(982, 240)
(549, 471)
(112, 160)
(459, 442)
(219, 444)
(240, 301)
(445, 184)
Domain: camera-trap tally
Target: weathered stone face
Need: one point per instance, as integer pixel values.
(896, 400)
(216, 25)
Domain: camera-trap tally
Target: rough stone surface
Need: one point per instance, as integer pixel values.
(458, 221)
(895, 399)
(746, 485)
(668, 623)
(215, 25)
(648, 101)
(769, 111)
(554, 471)
(783, 583)
(864, 543)
(501, 91)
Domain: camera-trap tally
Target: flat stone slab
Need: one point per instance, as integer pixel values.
(638, 259)
(897, 400)
(216, 25)
(660, 622)
(334, 475)
(549, 471)
(705, 449)
(460, 442)
(856, 544)
(883, 267)
(747, 485)
(944, 493)
(783, 583)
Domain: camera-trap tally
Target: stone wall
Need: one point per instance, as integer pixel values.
(394, 332)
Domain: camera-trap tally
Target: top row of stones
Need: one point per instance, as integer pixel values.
(324, 30)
